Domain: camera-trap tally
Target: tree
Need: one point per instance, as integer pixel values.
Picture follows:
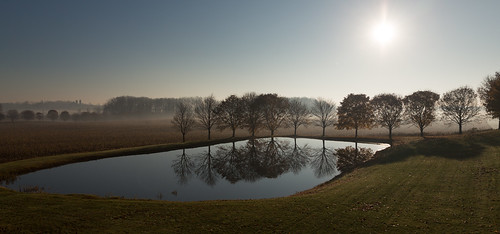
(230, 113)
(39, 116)
(298, 115)
(183, 119)
(252, 113)
(53, 115)
(28, 115)
(324, 111)
(12, 115)
(420, 108)
(129, 106)
(65, 116)
(489, 93)
(274, 110)
(388, 111)
(460, 106)
(355, 112)
(205, 112)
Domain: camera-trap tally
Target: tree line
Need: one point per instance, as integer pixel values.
(128, 106)
(53, 115)
(269, 111)
(42, 106)
(356, 111)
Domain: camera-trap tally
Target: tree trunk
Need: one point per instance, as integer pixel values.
(272, 132)
(421, 131)
(209, 134)
(356, 135)
(234, 130)
(460, 128)
(324, 131)
(295, 132)
(183, 137)
(390, 134)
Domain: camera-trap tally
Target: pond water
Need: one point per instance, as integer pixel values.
(251, 169)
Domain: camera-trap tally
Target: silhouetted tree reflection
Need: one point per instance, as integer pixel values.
(299, 157)
(266, 158)
(323, 161)
(183, 167)
(228, 163)
(205, 168)
(258, 159)
(349, 157)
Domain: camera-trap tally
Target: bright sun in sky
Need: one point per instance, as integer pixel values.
(383, 33)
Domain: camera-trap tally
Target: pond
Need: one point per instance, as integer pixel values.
(251, 169)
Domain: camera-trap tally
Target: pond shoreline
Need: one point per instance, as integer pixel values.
(10, 170)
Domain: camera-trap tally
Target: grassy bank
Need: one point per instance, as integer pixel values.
(445, 184)
(9, 170)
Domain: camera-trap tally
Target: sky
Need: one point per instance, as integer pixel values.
(96, 50)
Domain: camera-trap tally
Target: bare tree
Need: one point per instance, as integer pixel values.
(489, 93)
(252, 113)
(298, 115)
(355, 112)
(205, 112)
(274, 111)
(183, 119)
(324, 111)
(420, 108)
(12, 115)
(388, 111)
(230, 113)
(460, 106)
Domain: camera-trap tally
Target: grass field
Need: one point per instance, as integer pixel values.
(439, 184)
(30, 139)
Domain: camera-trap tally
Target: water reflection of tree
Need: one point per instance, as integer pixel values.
(251, 159)
(183, 167)
(259, 158)
(350, 157)
(299, 157)
(227, 162)
(273, 161)
(205, 168)
(323, 161)
(254, 160)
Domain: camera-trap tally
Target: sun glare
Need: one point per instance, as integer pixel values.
(383, 33)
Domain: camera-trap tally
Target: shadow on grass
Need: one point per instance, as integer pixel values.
(457, 149)
(447, 148)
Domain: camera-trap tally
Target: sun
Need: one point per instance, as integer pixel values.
(383, 33)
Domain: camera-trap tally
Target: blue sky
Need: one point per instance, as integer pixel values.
(96, 50)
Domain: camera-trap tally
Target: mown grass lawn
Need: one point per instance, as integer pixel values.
(442, 184)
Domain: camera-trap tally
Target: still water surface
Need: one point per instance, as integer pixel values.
(255, 169)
